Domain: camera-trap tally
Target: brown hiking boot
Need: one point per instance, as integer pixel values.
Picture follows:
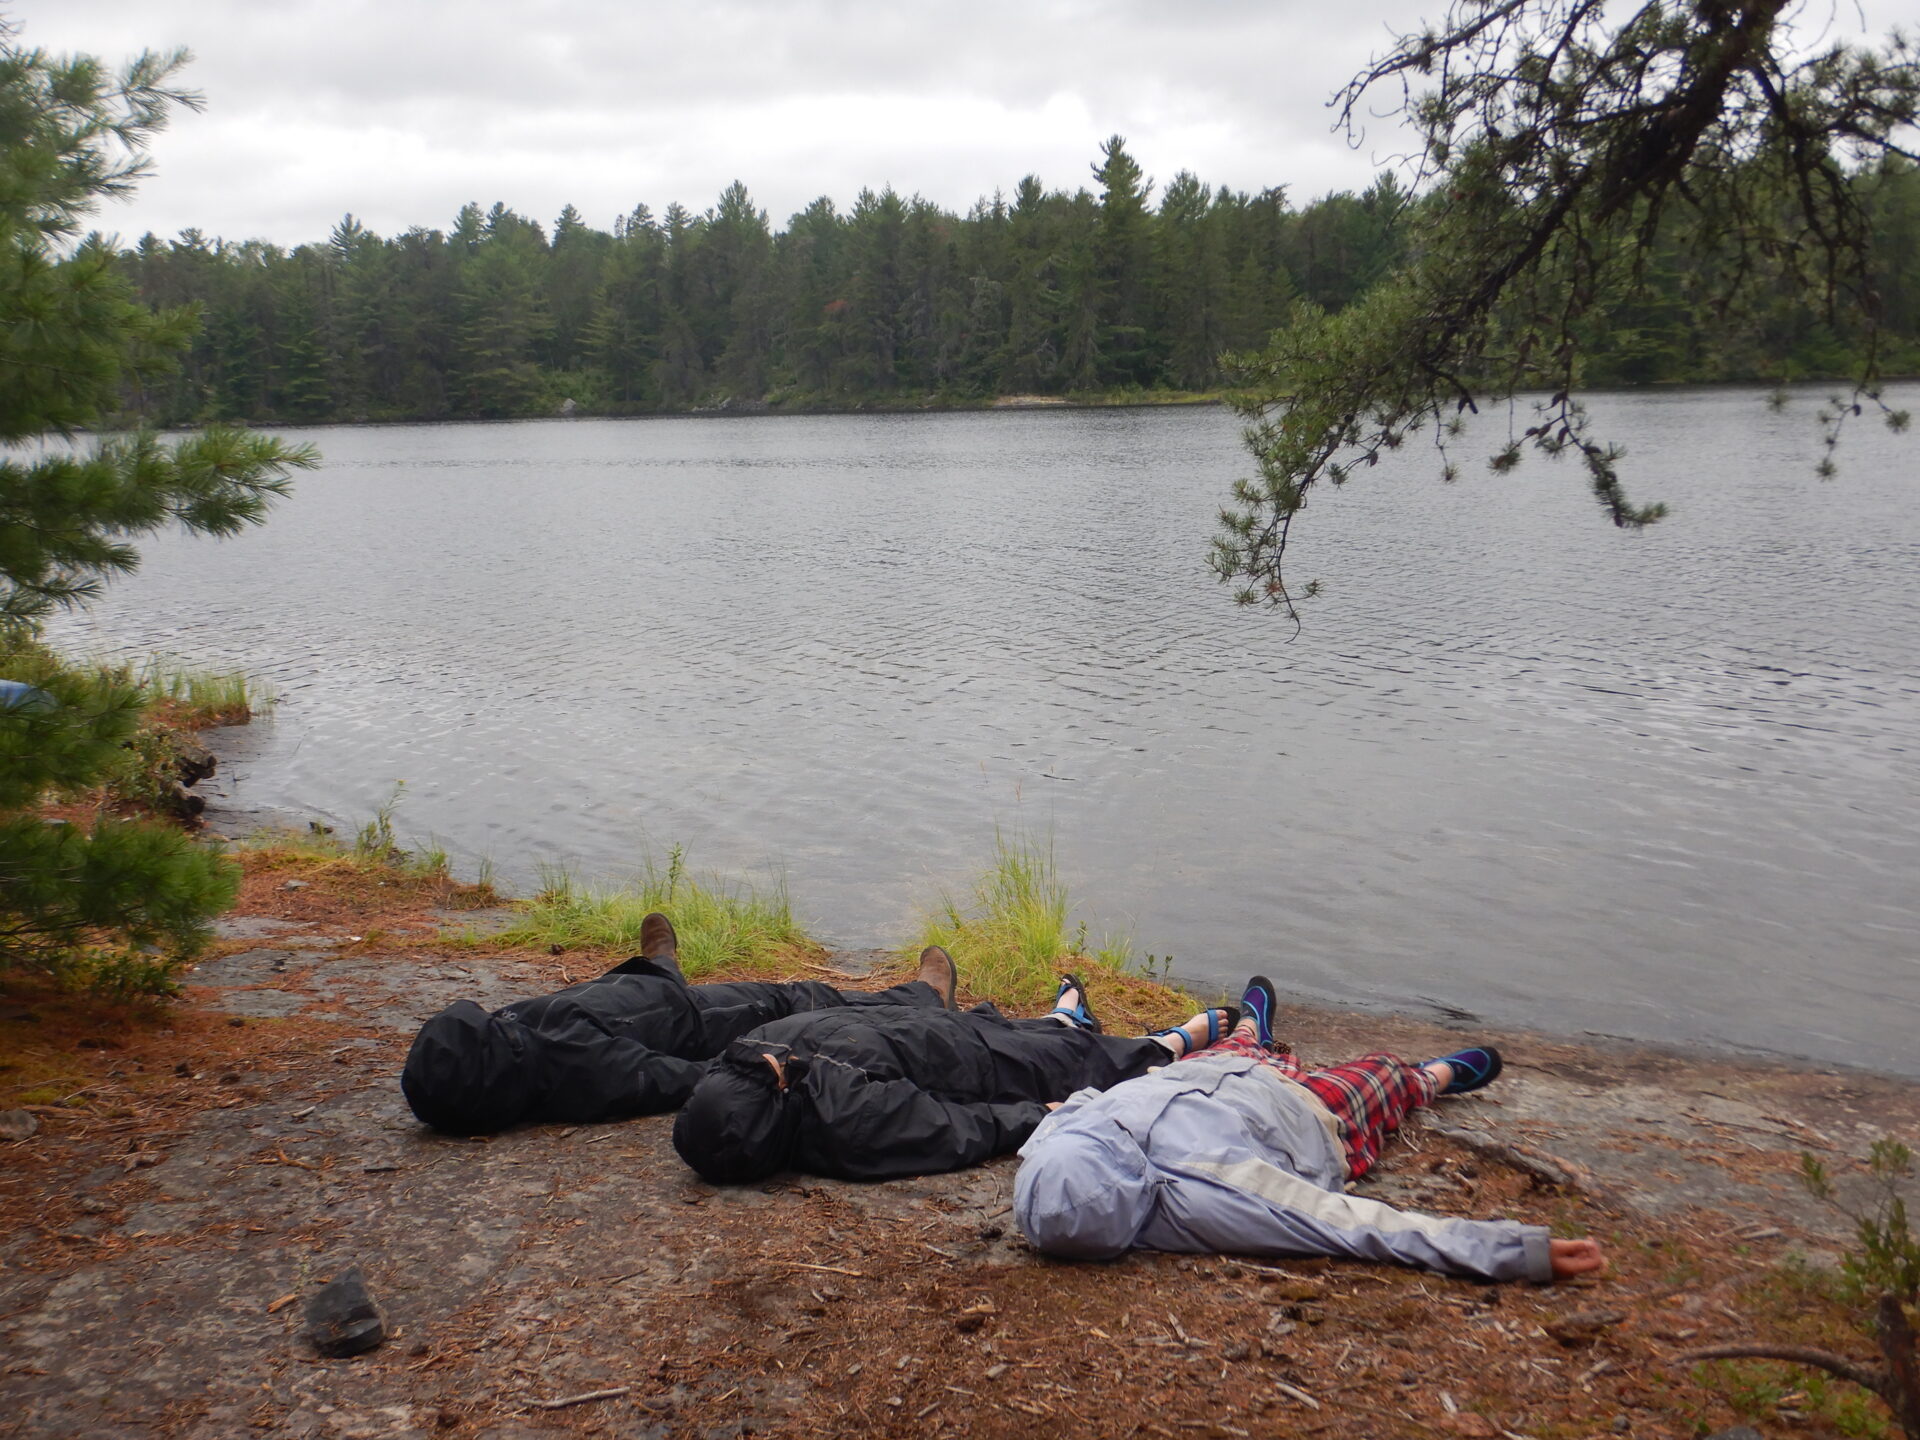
(937, 969)
(657, 940)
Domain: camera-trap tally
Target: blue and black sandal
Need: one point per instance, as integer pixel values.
(1220, 1022)
(1080, 1013)
(1471, 1068)
(1259, 1001)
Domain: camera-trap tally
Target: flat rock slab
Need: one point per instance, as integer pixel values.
(248, 967)
(254, 927)
(377, 990)
(180, 1311)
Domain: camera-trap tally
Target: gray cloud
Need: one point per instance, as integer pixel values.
(402, 111)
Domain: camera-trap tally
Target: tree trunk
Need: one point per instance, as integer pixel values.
(1902, 1392)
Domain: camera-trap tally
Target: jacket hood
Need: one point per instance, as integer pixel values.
(468, 1072)
(1082, 1195)
(738, 1126)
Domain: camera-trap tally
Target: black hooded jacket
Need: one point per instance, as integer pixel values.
(634, 1041)
(876, 1094)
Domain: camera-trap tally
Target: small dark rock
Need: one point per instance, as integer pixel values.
(1738, 1432)
(342, 1318)
(1236, 1351)
(1582, 1327)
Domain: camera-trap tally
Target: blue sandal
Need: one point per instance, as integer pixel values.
(1259, 1001)
(1220, 1022)
(1471, 1068)
(1080, 1014)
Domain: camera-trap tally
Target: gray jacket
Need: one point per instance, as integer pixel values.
(1222, 1153)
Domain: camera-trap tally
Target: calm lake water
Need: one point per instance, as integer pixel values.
(1518, 765)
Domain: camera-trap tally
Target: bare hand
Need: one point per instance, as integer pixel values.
(1575, 1257)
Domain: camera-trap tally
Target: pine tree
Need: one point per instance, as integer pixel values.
(503, 317)
(1123, 250)
(1558, 138)
(71, 335)
(623, 338)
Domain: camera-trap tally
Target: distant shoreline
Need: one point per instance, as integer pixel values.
(731, 409)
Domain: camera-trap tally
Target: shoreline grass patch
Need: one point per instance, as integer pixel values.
(1011, 941)
(375, 853)
(194, 699)
(720, 925)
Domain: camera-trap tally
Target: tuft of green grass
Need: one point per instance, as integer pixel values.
(198, 698)
(376, 847)
(720, 925)
(1011, 941)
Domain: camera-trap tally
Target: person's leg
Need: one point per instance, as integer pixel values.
(1369, 1097)
(1041, 1060)
(934, 984)
(730, 1010)
(661, 944)
(1071, 1007)
(1209, 1030)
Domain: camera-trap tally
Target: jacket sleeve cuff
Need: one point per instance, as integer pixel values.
(1534, 1242)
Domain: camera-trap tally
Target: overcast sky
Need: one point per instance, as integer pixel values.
(402, 111)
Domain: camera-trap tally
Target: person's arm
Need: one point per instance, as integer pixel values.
(863, 1129)
(608, 1077)
(1256, 1207)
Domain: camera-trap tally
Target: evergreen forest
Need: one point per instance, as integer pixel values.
(1124, 289)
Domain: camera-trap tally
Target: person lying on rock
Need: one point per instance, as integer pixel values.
(881, 1093)
(632, 1042)
(1241, 1149)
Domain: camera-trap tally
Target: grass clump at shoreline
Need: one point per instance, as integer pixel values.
(194, 699)
(343, 868)
(1011, 942)
(720, 926)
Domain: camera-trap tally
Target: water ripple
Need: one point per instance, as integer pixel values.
(1518, 764)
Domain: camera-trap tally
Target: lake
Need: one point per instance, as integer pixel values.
(1517, 766)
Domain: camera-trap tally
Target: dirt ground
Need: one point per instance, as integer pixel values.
(200, 1168)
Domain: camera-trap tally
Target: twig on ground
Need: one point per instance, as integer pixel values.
(829, 1269)
(613, 1393)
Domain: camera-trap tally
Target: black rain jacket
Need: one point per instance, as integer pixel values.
(876, 1094)
(634, 1041)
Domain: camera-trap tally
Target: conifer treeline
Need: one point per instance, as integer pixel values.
(896, 301)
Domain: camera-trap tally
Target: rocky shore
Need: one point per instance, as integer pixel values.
(204, 1171)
